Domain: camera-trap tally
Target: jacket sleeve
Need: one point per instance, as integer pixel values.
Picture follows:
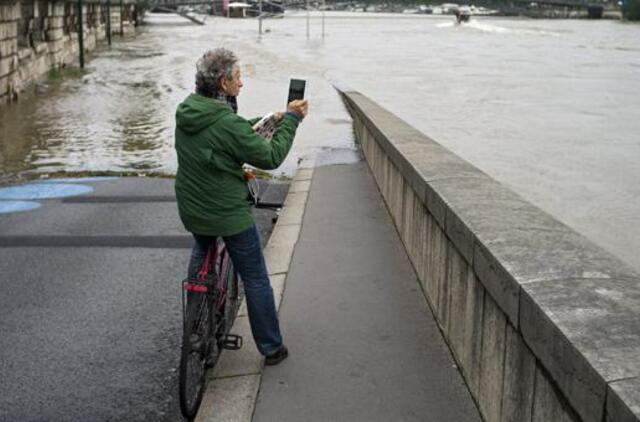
(249, 147)
(254, 120)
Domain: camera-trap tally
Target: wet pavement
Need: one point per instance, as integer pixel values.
(363, 343)
(90, 311)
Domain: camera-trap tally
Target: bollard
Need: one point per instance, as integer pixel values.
(109, 22)
(80, 34)
(324, 8)
(260, 20)
(121, 18)
(307, 19)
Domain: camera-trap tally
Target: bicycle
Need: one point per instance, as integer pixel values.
(209, 306)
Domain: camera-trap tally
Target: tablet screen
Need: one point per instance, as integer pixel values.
(296, 89)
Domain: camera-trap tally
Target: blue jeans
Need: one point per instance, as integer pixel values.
(246, 255)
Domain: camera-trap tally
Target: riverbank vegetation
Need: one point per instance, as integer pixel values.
(631, 10)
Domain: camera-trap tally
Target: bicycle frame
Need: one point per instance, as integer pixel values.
(210, 303)
(208, 280)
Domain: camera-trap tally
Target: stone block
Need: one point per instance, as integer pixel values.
(415, 180)
(498, 282)
(8, 65)
(41, 48)
(25, 54)
(300, 186)
(57, 9)
(419, 238)
(284, 235)
(55, 22)
(291, 215)
(553, 254)
(9, 11)
(494, 330)
(277, 284)
(435, 162)
(386, 178)
(369, 149)
(295, 199)
(229, 399)
(4, 85)
(57, 46)
(8, 47)
(586, 333)
(487, 206)
(457, 279)
(278, 259)
(459, 234)
(548, 402)
(437, 263)
(444, 289)
(8, 30)
(623, 401)
(408, 228)
(435, 205)
(55, 34)
(392, 182)
(378, 161)
(246, 361)
(396, 187)
(303, 174)
(385, 188)
(472, 340)
(280, 248)
(519, 379)
(425, 273)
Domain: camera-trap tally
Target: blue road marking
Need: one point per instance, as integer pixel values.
(78, 179)
(43, 191)
(16, 206)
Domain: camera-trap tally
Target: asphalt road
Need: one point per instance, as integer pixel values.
(90, 318)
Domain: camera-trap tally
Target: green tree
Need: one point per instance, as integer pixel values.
(631, 10)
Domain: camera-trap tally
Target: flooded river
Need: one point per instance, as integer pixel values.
(548, 107)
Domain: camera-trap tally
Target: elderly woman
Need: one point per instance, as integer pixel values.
(212, 144)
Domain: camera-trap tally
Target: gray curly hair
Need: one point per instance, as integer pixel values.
(211, 68)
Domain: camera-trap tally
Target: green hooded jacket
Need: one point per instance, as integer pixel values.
(212, 144)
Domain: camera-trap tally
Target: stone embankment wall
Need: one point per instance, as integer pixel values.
(544, 325)
(38, 35)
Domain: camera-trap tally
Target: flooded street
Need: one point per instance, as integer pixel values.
(548, 107)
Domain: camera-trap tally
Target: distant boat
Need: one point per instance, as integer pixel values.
(462, 14)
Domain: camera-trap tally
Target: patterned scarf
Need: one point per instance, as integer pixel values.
(230, 100)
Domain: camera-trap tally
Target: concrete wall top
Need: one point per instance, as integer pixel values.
(576, 305)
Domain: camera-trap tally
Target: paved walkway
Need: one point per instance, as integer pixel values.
(364, 345)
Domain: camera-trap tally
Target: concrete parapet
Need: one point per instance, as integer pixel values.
(623, 400)
(544, 324)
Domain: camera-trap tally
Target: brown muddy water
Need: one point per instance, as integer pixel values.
(548, 107)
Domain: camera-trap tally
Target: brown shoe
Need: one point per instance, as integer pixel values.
(277, 356)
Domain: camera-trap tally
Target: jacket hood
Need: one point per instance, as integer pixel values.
(197, 112)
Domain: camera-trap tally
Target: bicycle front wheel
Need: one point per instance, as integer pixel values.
(197, 329)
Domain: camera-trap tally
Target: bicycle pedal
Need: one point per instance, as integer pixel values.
(232, 342)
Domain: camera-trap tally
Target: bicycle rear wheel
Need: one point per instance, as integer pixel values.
(233, 294)
(196, 336)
